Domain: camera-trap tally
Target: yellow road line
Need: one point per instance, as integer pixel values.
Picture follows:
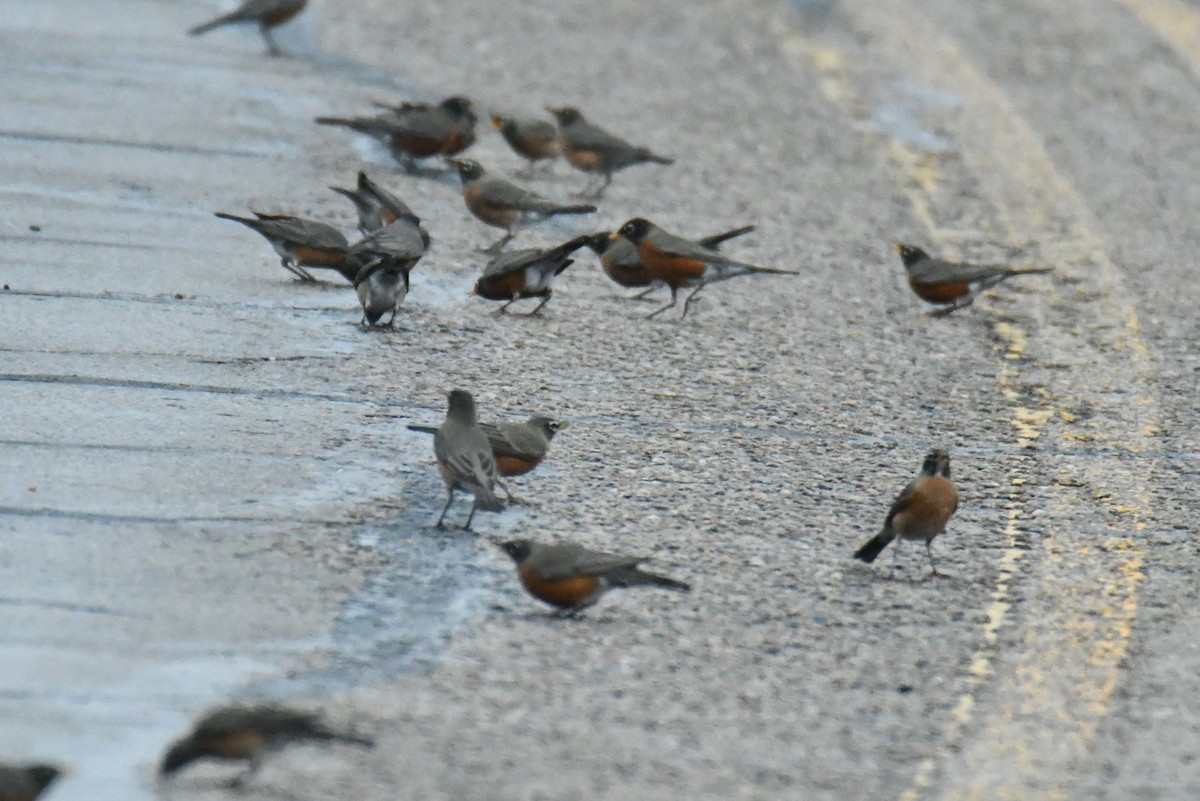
(1176, 22)
(1072, 647)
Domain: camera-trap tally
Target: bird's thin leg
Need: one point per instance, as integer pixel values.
(603, 186)
(470, 517)
(442, 516)
(674, 293)
(929, 551)
(687, 304)
(293, 267)
(272, 48)
(499, 244)
(642, 295)
(545, 300)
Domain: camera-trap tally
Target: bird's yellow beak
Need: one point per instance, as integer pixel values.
(899, 246)
(615, 235)
(497, 121)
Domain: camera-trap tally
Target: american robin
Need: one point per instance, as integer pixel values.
(381, 285)
(249, 734)
(953, 283)
(517, 447)
(920, 512)
(503, 204)
(376, 206)
(464, 457)
(267, 13)
(620, 261)
(415, 131)
(26, 782)
(679, 262)
(591, 149)
(573, 578)
(533, 139)
(526, 273)
(301, 243)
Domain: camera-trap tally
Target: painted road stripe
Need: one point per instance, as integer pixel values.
(1080, 604)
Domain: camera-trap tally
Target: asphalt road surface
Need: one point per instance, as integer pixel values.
(207, 491)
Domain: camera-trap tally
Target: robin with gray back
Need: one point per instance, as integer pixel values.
(533, 139)
(266, 13)
(517, 447)
(921, 510)
(464, 457)
(679, 262)
(620, 260)
(572, 578)
(377, 207)
(954, 284)
(414, 131)
(592, 149)
(26, 782)
(381, 285)
(503, 204)
(301, 243)
(526, 273)
(249, 734)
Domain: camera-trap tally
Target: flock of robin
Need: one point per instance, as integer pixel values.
(472, 456)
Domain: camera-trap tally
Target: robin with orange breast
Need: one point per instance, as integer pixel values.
(921, 510)
(620, 260)
(503, 204)
(535, 140)
(249, 734)
(572, 578)
(591, 149)
(953, 285)
(414, 131)
(517, 447)
(377, 207)
(464, 457)
(26, 782)
(301, 243)
(526, 273)
(267, 13)
(679, 262)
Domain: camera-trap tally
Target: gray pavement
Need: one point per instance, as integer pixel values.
(208, 491)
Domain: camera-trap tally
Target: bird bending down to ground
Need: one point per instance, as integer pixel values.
(249, 734)
(526, 273)
(572, 578)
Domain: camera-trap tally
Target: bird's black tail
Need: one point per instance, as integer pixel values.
(874, 546)
(216, 23)
(646, 155)
(641, 577)
(578, 208)
(422, 429)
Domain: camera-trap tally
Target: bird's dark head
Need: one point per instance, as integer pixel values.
(519, 550)
(547, 426)
(635, 230)
(43, 775)
(598, 242)
(457, 105)
(468, 169)
(937, 463)
(566, 115)
(910, 254)
(461, 405)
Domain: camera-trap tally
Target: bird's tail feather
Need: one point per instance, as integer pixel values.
(422, 429)
(874, 546)
(216, 23)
